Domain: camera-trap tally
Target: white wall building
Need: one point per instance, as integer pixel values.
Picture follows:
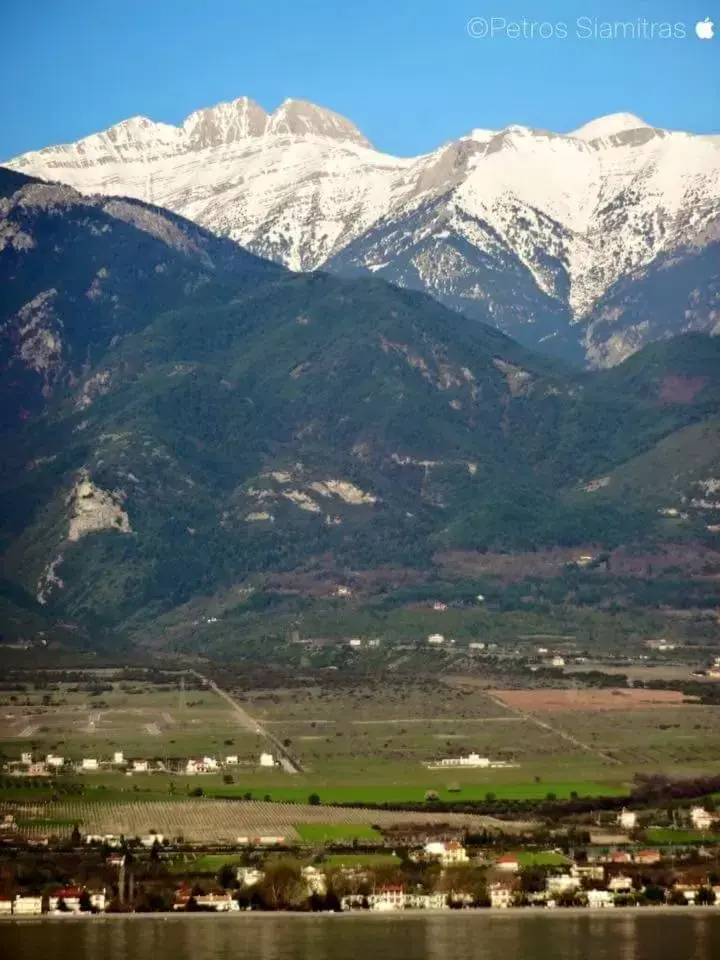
(232, 760)
(118, 758)
(701, 818)
(600, 898)
(267, 760)
(436, 638)
(501, 895)
(448, 853)
(562, 883)
(249, 876)
(627, 819)
(27, 906)
(52, 761)
(89, 763)
(140, 766)
(472, 760)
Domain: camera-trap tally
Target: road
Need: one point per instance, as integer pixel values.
(287, 761)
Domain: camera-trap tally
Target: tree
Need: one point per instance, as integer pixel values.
(282, 887)
(705, 897)
(85, 902)
(76, 836)
(226, 877)
(314, 800)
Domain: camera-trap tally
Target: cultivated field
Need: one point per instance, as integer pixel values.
(554, 701)
(136, 718)
(217, 820)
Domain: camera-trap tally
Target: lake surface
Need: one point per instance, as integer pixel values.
(622, 936)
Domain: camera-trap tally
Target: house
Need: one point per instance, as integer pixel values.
(315, 880)
(37, 769)
(231, 760)
(688, 890)
(557, 662)
(118, 758)
(52, 761)
(89, 763)
(426, 901)
(210, 763)
(355, 642)
(600, 899)
(436, 638)
(219, 902)
(620, 884)
(619, 856)
(27, 906)
(140, 766)
(472, 760)
(343, 592)
(476, 645)
(627, 819)
(196, 765)
(66, 901)
(267, 760)
(447, 852)
(266, 840)
(508, 864)
(588, 871)
(501, 895)
(150, 839)
(701, 819)
(249, 876)
(387, 898)
(98, 901)
(439, 605)
(562, 883)
(6, 906)
(648, 857)
(25, 758)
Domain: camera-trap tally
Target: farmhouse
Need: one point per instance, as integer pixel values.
(267, 760)
(118, 758)
(52, 761)
(231, 760)
(89, 763)
(140, 766)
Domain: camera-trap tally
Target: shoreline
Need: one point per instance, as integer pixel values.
(489, 913)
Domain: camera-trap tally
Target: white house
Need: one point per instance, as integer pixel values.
(387, 898)
(562, 883)
(448, 853)
(436, 638)
(249, 876)
(6, 906)
(148, 840)
(25, 758)
(89, 763)
(600, 898)
(627, 819)
(118, 758)
(232, 760)
(27, 906)
(701, 818)
(355, 642)
(140, 766)
(620, 884)
(558, 662)
(472, 760)
(476, 645)
(508, 864)
(69, 898)
(210, 763)
(426, 901)
(52, 761)
(267, 760)
(315, 880)
(501, 895)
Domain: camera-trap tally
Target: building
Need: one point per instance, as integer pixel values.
(196, 765)
(387, 898)
(249, 876)
(267, 760)
(355, 642)
(231, 760)
(562, 883)
(118, 758)
(476, 645)
(648, 857)
(447, 852)
(619, 856)
(701, 819)
(140, 766)
(211, 763)
(620, 884)
(557, 662)
(266, 840)
(52, 761)
(6, 906)
(501, 895)
(439, 605)
(66, 901)
(315, 880)
(588, 871)
(219, 902)
(27, 906)
(436, 639)
(26, 758)
(150, 839)
(426, 901)
(472, 760)
(627, 819)
(89, 763)
(508, 864)
(600, 899)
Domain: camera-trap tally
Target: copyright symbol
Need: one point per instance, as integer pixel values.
(478, 28)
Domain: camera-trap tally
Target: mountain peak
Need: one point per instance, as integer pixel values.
(301, 118)
(225, 123)
(609, 126)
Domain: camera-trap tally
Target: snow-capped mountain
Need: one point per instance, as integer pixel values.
(561, 240)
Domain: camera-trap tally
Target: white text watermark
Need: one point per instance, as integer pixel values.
(587, 28)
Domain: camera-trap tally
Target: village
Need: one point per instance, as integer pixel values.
(436, 868)
(51, 765)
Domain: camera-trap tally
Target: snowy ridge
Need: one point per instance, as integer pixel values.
(526, 228)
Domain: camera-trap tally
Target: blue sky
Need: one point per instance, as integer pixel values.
(407, 73)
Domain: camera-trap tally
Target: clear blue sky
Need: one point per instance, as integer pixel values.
(407, 73)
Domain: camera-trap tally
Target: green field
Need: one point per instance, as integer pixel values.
(208, 863)
(669, 837)
(527, 858)
(337, 833)
(362, 860)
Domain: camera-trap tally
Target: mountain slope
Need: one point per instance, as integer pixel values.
(562, 241)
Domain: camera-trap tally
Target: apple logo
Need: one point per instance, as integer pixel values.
(705, 29)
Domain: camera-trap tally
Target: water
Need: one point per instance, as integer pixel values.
(626, 936)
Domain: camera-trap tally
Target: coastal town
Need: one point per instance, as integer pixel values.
(404, 867)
